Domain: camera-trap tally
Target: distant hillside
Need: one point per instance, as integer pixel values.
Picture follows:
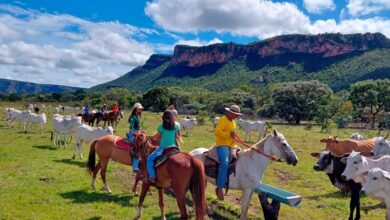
(13, 86)
(336, 59)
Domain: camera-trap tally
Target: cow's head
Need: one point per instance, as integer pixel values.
(355, 166)
(324, 163)
(376, 180)
(331, 142)
(381, 147)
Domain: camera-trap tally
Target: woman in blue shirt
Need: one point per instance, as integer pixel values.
(135, 126)
(169, 132)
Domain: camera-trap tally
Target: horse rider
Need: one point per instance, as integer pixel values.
(85, 111)
(104, 108)
(169, 132)
(115, 109)
(171, 106)
(225, 133)
(135, 126)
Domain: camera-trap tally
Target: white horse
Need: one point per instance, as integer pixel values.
(251, 165)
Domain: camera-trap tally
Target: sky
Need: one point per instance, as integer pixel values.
(88, 42)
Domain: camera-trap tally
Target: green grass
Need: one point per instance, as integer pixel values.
(39, 181)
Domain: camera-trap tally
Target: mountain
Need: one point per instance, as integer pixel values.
(336, 59)
(13, 86)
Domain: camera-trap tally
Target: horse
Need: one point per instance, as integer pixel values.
(90, 118)
(105, 148)
(180, 172)
(252, 163)
(112, 118)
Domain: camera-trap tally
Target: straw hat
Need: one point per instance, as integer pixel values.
(235, 109)
(138, 105)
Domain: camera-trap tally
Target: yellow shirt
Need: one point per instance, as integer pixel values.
(222, 132)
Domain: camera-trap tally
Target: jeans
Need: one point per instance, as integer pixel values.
(135, 159)
(223, 153)
(150, 161)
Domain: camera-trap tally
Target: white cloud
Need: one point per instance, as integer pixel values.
(198, 42)
(319, 6)
(258, 18)
(63, 49)
(365, 7)
(253, 18)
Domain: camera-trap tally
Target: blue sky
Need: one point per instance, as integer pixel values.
(88, 42)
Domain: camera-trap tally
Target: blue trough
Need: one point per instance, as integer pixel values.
(279, 194)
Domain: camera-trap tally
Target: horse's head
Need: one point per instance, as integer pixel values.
(279, 147)
(140, 143)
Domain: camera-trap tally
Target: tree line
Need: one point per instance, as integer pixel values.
(365, 101)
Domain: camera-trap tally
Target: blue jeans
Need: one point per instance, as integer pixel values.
(150, 161)
(223, 153)
(135, 159)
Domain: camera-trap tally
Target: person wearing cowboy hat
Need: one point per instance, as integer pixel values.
(135, 126)
(225, 133)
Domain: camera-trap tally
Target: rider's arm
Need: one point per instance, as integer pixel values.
(131, 120)
(156, 136)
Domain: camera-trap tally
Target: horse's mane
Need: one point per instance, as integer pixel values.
(259, 145)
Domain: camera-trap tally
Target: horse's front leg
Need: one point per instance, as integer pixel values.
(144, 189)
(161, 202)
(245, 200)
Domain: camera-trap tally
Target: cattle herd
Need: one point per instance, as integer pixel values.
(358, 164)
(352, 165)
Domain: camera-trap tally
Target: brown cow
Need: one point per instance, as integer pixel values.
(341, 147)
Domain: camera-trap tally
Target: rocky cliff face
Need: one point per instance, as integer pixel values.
(323, 45)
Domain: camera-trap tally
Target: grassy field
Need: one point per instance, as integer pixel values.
(40, 181)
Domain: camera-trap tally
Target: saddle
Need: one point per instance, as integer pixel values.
(123, 143)
(165, 155)
(211, 163)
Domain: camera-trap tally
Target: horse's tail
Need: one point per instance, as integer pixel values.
(91, 158)
(198, 188)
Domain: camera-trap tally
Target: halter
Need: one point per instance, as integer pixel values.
(144, 147)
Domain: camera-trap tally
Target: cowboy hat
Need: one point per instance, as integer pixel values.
(138, 105)
(235, 109)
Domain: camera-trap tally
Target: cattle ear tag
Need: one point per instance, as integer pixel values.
(315, 154)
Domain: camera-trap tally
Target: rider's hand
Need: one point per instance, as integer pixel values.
(233, 134)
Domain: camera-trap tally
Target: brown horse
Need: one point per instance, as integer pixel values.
(90, 118)
(112, 118)
(104, 147)
(180, 172)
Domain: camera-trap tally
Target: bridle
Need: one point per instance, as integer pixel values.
(145, 145)
(240, 141)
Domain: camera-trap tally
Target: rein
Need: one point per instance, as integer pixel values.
(238, 139)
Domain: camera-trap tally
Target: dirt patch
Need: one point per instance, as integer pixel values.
(46, 179)
(284, 177)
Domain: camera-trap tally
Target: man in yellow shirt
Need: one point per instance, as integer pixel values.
(225, 133)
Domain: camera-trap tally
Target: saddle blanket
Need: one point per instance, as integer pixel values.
(122, 144)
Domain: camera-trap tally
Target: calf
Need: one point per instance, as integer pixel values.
(341, 147)
(86, 134)
(249, 126)
(63, 126)
(333, 167)
(378, 186)
(37, 119)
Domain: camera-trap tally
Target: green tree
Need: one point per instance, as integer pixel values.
(119, 95)
(156, 99)
(373, 95)
(96, 99)
(296, 101)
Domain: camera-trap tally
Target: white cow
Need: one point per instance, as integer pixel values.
(378, 186)
(86, 134)
(381, 147)
(17, 115)
(37, 119)
(358, 137)
(63, 126)
(215, 121)
(357, 165)
(187, 123)
(248, 126)
(30, 107)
